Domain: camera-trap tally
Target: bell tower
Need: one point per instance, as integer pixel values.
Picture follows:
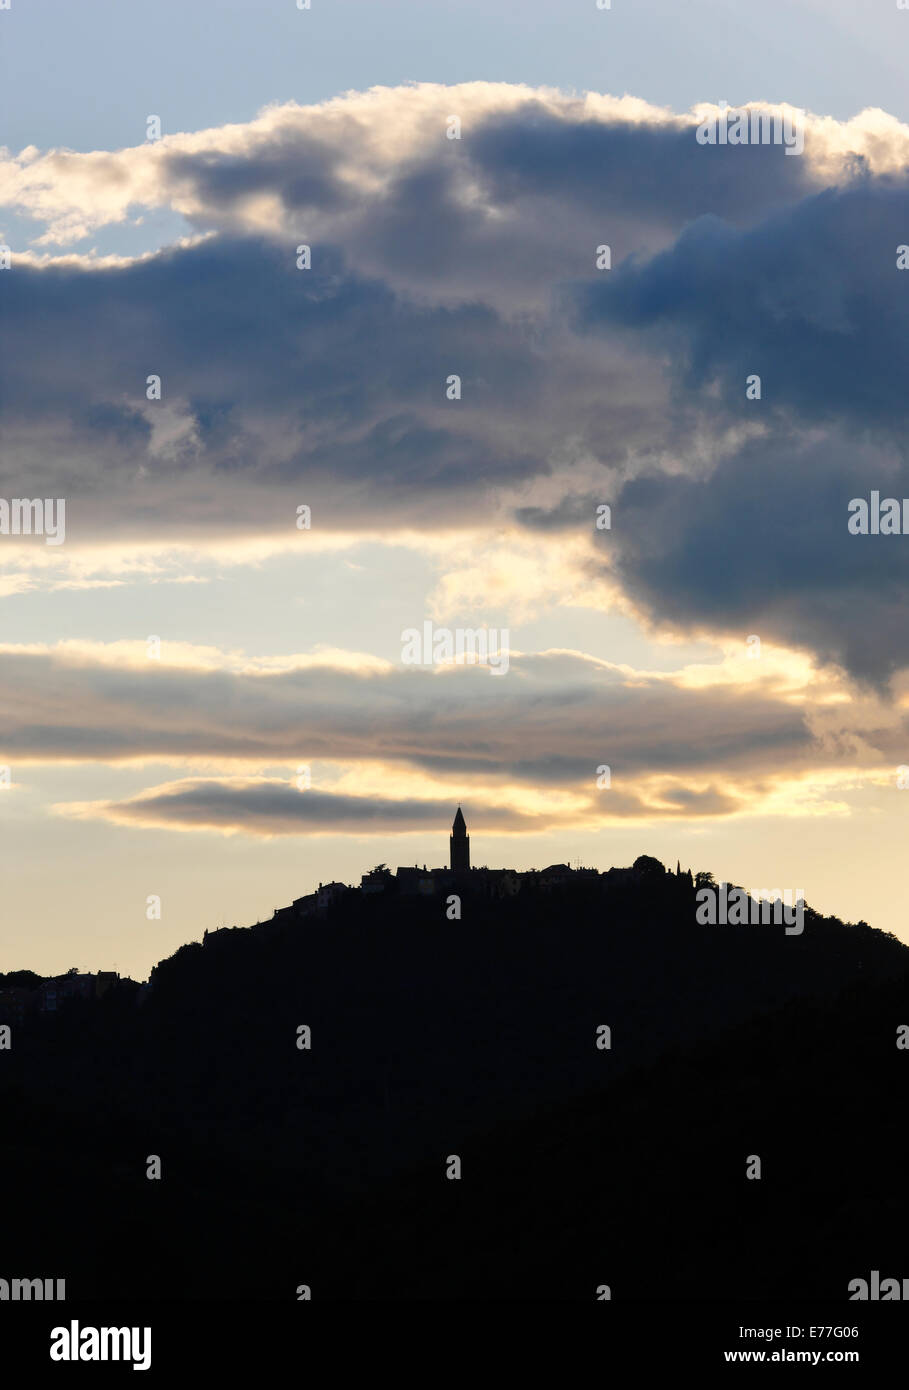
(460, 845)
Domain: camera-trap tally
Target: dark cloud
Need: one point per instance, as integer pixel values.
(476, 258)
(657, 174)
(452, 263)
(762, 546)
(302, 173)
(273, 808)
(282, 379)
(810, 299)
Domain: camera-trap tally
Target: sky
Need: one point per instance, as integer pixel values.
(205, 701)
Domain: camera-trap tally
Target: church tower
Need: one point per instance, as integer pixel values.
(460, 845)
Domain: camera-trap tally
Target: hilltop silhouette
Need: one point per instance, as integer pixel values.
(475, 1037)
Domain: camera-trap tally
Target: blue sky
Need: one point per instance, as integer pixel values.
(86, 75)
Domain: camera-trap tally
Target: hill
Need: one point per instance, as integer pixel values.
(476, 1037)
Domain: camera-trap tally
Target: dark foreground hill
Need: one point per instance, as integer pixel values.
(477, 1038)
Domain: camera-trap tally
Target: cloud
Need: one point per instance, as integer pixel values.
(389, 745)
(809, 298)
(551, 720)
(761, 547)
(267, 807)
(278, 388)
(339, 162)
(476, 258)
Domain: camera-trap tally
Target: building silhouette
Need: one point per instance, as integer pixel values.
(459, 845)
(416, 881)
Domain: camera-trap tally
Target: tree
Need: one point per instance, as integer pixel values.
(647, 866)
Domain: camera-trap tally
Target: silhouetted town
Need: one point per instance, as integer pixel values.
(22, 993)
(419, 881)
(17, 1001)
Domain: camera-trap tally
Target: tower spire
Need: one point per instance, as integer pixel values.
(459, 845)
